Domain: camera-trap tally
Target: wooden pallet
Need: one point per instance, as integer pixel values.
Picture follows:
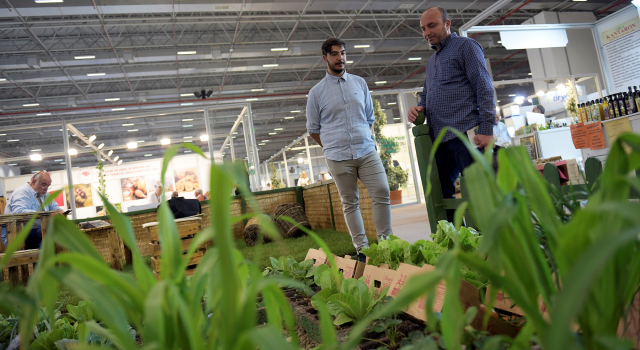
(20, 266)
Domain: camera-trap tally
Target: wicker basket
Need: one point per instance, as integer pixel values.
(252, 230)
(294, 211)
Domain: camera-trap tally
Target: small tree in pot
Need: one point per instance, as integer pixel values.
(387, 146)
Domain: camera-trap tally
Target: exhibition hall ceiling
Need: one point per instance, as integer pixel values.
(86, 59)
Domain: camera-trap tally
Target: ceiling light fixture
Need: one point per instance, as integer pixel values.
(204, 137)
(186, 104)
(251, 99)
(148, 155)
(92, 138)
(349, 62)
(130, 124)
(270, 65)
(110, 153)
(132, 130)
(256, 90)
(100, 146)
(361, 46)
(512, 95)
(132, 145)
(85, 57)
(261, 144)
(73, 151)
(96, 74)
(273, 133)
(35, 157)
(30, 104)
(117, 109)
(185, 95)
(3, 79)
(58, 160)
(187, 120)
(188, 137)
(280, 49)
(381, 82)
(391, 103)
(47, 1)
(540, 93)
(264, 141)
(116, 158)
(187, 52)
(415, 58)
(289, 117)
(120, 162)
(165, 142)
(277, 129)
(41, 114)
(112, 99)
(187, 126)
(296, 111)
(36, 150)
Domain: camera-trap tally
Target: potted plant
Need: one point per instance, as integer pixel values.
(387, 146)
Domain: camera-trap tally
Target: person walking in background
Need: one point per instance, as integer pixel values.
(339, 119)
(457, 93)
(303, 180)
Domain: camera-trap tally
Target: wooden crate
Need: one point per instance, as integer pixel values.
(108, 243)
(187, 229)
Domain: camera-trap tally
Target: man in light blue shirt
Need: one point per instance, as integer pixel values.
(28, 198)
(339, 118)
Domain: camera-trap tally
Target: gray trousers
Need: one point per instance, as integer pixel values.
(370, 171)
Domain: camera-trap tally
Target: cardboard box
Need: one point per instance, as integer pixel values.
(504, 303)
(350, 268)
(318, 256)
(469, 296)
(378, 277)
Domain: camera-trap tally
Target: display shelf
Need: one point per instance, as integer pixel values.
(631, 117)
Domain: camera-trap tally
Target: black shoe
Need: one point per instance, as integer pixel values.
(362, 258)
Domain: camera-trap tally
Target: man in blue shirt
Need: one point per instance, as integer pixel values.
(457, 94)
(29, 198)
(339, 118)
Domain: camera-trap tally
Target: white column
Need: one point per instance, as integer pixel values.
(306, 145)
(209, 138)
(233, 150)
(286, 168)
(403, 115)
(279, 170)
(67, 157)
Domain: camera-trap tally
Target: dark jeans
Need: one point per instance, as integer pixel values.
(452, 157)
(34, 239)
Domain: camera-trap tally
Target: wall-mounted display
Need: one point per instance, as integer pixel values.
(133, 188)
(81, 194)
(186, 180)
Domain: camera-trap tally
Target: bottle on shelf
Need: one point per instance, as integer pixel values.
(604, 109)
(589, 114)
(595, 111)
(612, 113)
(636, 94)
(616, 107)
(631, 105)
(622, 105)
(580, 113)
(628, 102)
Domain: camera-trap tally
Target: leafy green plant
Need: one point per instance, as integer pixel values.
(354, 301)
(329, 282)
(390, 328)
(288, 267)
(275, 182)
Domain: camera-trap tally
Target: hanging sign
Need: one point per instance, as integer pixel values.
(596, 136)
(579, 136)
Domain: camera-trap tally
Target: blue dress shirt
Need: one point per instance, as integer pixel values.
(501, 135)
(457, 90)
(24, 200)
(341, 111)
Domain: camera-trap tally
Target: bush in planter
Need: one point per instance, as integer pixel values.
(397, 178)
(386, 147)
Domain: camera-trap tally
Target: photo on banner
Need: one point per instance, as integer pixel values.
(133, 188)
(186, 180)
(81, 194)
(153, 181)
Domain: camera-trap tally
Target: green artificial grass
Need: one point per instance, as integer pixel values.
(339, 243)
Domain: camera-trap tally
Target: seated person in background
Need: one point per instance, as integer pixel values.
(174, 194)
(304, 180)
(199, 196)
(182, 207)
(28, 198)
(156, 195)
(500, 133)
(538, 109)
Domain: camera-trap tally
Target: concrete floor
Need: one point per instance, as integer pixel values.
(410, 222)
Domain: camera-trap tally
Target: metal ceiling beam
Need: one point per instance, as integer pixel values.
(482, 16)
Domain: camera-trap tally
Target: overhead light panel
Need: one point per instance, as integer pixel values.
(381, 82)
(92, 138)
(188, 137)
(204, 137)
(41, 114)
(35, 157)
(187, 126)
(256, 90)
(185, 95)
(132, 145)
(349, 62)
(120, 162)
(130, 124)
(3, 79)
(261, 144)
(148, 155)
(187, 120)
(540, 93)
(270, 65)
(112, 99)
(116, 158)
(187, 52)
(16, 140)
(84, 57)
(73, 151)
(277, 129)
(30, 104)
(415, 58)
(132, 130)
(36, 150)
(251, 99)
(48, 1)
(165, 142)
(361, 46)
(512, 95)
(280, 49)
(273, 133)
(58, 160)
(186, 104)
(96, 74)
(391, 103)
(289, 117)
(117, 109)
(100, 146)
(296, 111)
(110, 153)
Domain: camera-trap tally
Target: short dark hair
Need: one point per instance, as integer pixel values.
(443, 13)
(540, 109)
(327, 44)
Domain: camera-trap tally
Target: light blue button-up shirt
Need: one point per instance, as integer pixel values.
(24, 200)
(341, 111)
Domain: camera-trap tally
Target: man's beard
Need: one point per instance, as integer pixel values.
(335, 69)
